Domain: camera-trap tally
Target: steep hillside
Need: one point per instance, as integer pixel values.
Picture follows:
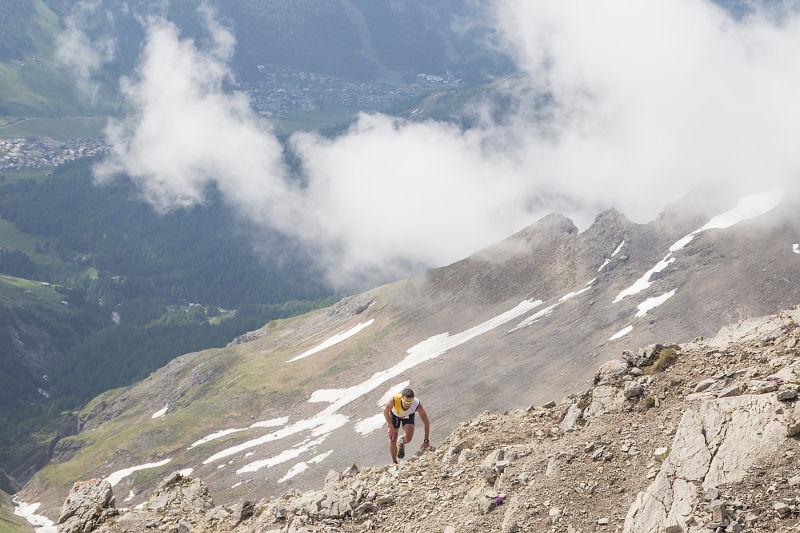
(9, 522)
(679, 438)
(526, 321)
(31, 81)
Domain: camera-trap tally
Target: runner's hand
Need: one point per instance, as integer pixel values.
(392, 434)
(425, 446)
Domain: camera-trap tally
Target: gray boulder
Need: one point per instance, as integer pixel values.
(88, 505)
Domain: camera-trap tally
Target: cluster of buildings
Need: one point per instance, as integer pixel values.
(38, 152)
(283, 89)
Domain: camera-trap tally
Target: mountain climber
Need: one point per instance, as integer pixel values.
(400, 409)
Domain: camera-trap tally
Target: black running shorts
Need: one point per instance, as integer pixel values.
(396, 420)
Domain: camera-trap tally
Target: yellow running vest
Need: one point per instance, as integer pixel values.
(398, 407)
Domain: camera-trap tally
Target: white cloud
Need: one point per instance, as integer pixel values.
(646, 100)
(82, 53)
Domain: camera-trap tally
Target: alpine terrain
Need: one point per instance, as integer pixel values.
(525, 322)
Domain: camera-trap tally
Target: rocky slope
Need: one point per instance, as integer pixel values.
(523, 322)
(692, 437)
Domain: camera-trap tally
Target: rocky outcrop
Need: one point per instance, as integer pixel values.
(89, 504)
(712, 447)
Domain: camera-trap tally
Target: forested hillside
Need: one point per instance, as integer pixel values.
(100, 290)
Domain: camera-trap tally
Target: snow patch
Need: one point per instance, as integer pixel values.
(606, 262)
(236, 485)
(336, 339)
(303, 466)
(644, 282)
(621, 333)
(618, 248)
(284, 456)
(293, 471)
(796, 248)
(652, 303)
(186, 472)
(119, 475)
(368, 425)
(273, 422)
(160, 412)
(573, 294)
(131, 495)
(746, 208)
(41, 523)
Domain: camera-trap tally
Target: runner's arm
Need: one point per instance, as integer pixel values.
(387, 410)
(425, 420)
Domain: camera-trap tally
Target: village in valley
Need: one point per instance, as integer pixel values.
(39, 152)
(281, 90)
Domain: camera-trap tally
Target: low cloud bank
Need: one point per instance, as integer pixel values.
(624, 105)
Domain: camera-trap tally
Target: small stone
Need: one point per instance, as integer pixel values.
(717, 510)
(794, 481)
(602, 521)
(673, 528)
(633, 389)
(787, 395)
(555, 514)
(661, 453)
(781, 508)
(734, 527)
(636, 371)
(729, 392)
(704, 385)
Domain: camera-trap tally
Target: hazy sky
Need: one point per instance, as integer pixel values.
(647, 100)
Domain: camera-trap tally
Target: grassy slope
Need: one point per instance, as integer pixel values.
(37, 86)
(9, 522)
(13, 293)
(251, 380)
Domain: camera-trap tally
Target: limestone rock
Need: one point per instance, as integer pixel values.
(611, 372)
(88, 505)
(633, 389)
(570, 422)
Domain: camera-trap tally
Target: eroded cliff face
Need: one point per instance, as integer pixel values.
(700, 436)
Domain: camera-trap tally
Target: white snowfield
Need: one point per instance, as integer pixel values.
(303, 466)
(273, 422)
(370, 424)
(119, 475)
(160, 412)
(41, 524)
(796, 248)
(621, 333)
(652, 303)
(748, 207)
(618, 248)
(336, 339)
